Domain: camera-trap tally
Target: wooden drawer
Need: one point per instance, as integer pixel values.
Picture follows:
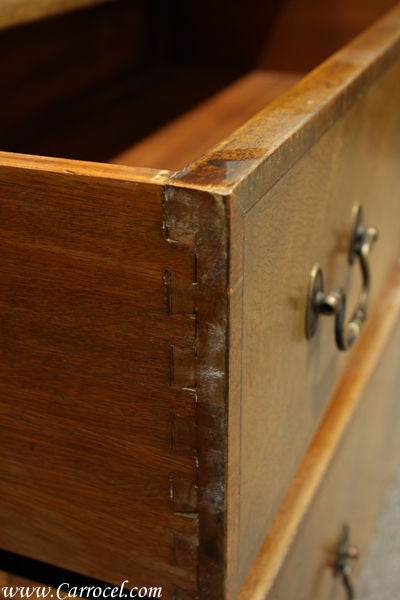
(305, 218)
(154, 358)
(344, 476)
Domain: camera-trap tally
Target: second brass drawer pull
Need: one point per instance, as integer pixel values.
(334, 303)
(346, 554)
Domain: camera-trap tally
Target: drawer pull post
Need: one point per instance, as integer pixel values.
(345, 555)
(334, 303)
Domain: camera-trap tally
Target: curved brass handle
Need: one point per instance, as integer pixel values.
(334, 303)
(346, 554)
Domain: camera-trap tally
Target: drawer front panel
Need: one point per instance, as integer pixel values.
(352, 490)
(306, 218)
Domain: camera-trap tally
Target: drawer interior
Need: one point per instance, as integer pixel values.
(156, 84)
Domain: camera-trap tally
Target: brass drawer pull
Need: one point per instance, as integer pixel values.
(345, 555)
(334, 303)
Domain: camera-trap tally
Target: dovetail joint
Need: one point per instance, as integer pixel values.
(180, 302)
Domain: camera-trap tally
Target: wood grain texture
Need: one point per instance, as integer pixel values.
(274, 34)
(17, 12)
(150, 320)
(79, 168)
(130, 102)
(187, 137)
(199, 221)
(235, 308)
(345, 472)
(61, 73)
(305, 33)
(306, 218)
(129, 388)
(87, 445)
(8, 580)
(261, 151)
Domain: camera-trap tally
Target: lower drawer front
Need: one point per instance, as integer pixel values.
(352, 490)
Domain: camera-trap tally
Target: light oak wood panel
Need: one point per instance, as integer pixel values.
(306, 218)
(345, 473)
(187, 137)
(17, 12)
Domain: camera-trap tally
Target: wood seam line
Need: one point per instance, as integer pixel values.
(180, 300)
(198, 222)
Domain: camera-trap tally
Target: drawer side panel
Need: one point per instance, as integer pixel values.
(98, 432)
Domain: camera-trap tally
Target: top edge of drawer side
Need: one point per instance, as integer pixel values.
(248, 162)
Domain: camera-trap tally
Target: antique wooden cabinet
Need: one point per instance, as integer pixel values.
(199, 349)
